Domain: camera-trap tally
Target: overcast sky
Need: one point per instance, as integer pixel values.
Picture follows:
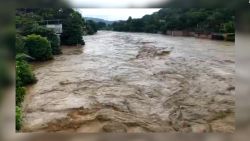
(112, 3)
(116, 14)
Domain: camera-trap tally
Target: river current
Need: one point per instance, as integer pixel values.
(135, 82)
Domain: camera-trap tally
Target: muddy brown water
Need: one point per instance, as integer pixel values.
(135, 82)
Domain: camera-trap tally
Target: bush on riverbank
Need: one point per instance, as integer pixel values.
(38, 47)
(24, 75)
(20, 93)
(49, 34)
(18, 118)
(20, 48)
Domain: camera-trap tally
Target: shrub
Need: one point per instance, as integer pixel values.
(228, 27)
(38, 47)
(20, 45)
(20, 93)
(49, 34)
(24, 75)
(18, 118)
(23, 56)
(91, 27)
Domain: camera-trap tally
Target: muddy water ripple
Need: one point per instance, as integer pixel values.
(135, 82)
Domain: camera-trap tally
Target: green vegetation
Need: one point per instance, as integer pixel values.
(91, 27)
(38, 47)
(193, 19)
(101, 25)
(49, 34)
(20, 48)
(18, 118)
(33, 21)
(73, 29)
(28, 24)
(20, 93)
(26, 21)
(24, 75)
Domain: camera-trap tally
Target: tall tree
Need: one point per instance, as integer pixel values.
(72, 29)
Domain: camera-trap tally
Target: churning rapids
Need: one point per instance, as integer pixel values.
(135, 82)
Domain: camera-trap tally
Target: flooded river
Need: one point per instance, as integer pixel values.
(135, 82)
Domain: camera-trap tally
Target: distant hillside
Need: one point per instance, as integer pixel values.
(99, 20)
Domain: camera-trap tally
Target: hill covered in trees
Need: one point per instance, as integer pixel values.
(98, 20)
(194, 19)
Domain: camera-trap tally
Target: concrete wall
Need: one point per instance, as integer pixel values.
(213, 36)
(203, 36)
(180, 33)
(56, 27)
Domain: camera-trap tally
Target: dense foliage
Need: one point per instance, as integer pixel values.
(194, 19)
(20, 48)
(49, 34)
(74, 25)
(24, 75)
(20, 93)
(72, 29)
(101, 25)
(18, 118)
(28, 24)
(38, 47)
(26, 21)
(91, 27)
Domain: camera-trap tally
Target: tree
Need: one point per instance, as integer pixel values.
(228, 27)
(101, 25)
(72, 29)
(91, 27)
(38, 47)
(193, 19)
(49, 34)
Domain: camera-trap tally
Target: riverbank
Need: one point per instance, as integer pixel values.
(230, 37)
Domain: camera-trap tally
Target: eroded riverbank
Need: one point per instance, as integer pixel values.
(135, 82)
